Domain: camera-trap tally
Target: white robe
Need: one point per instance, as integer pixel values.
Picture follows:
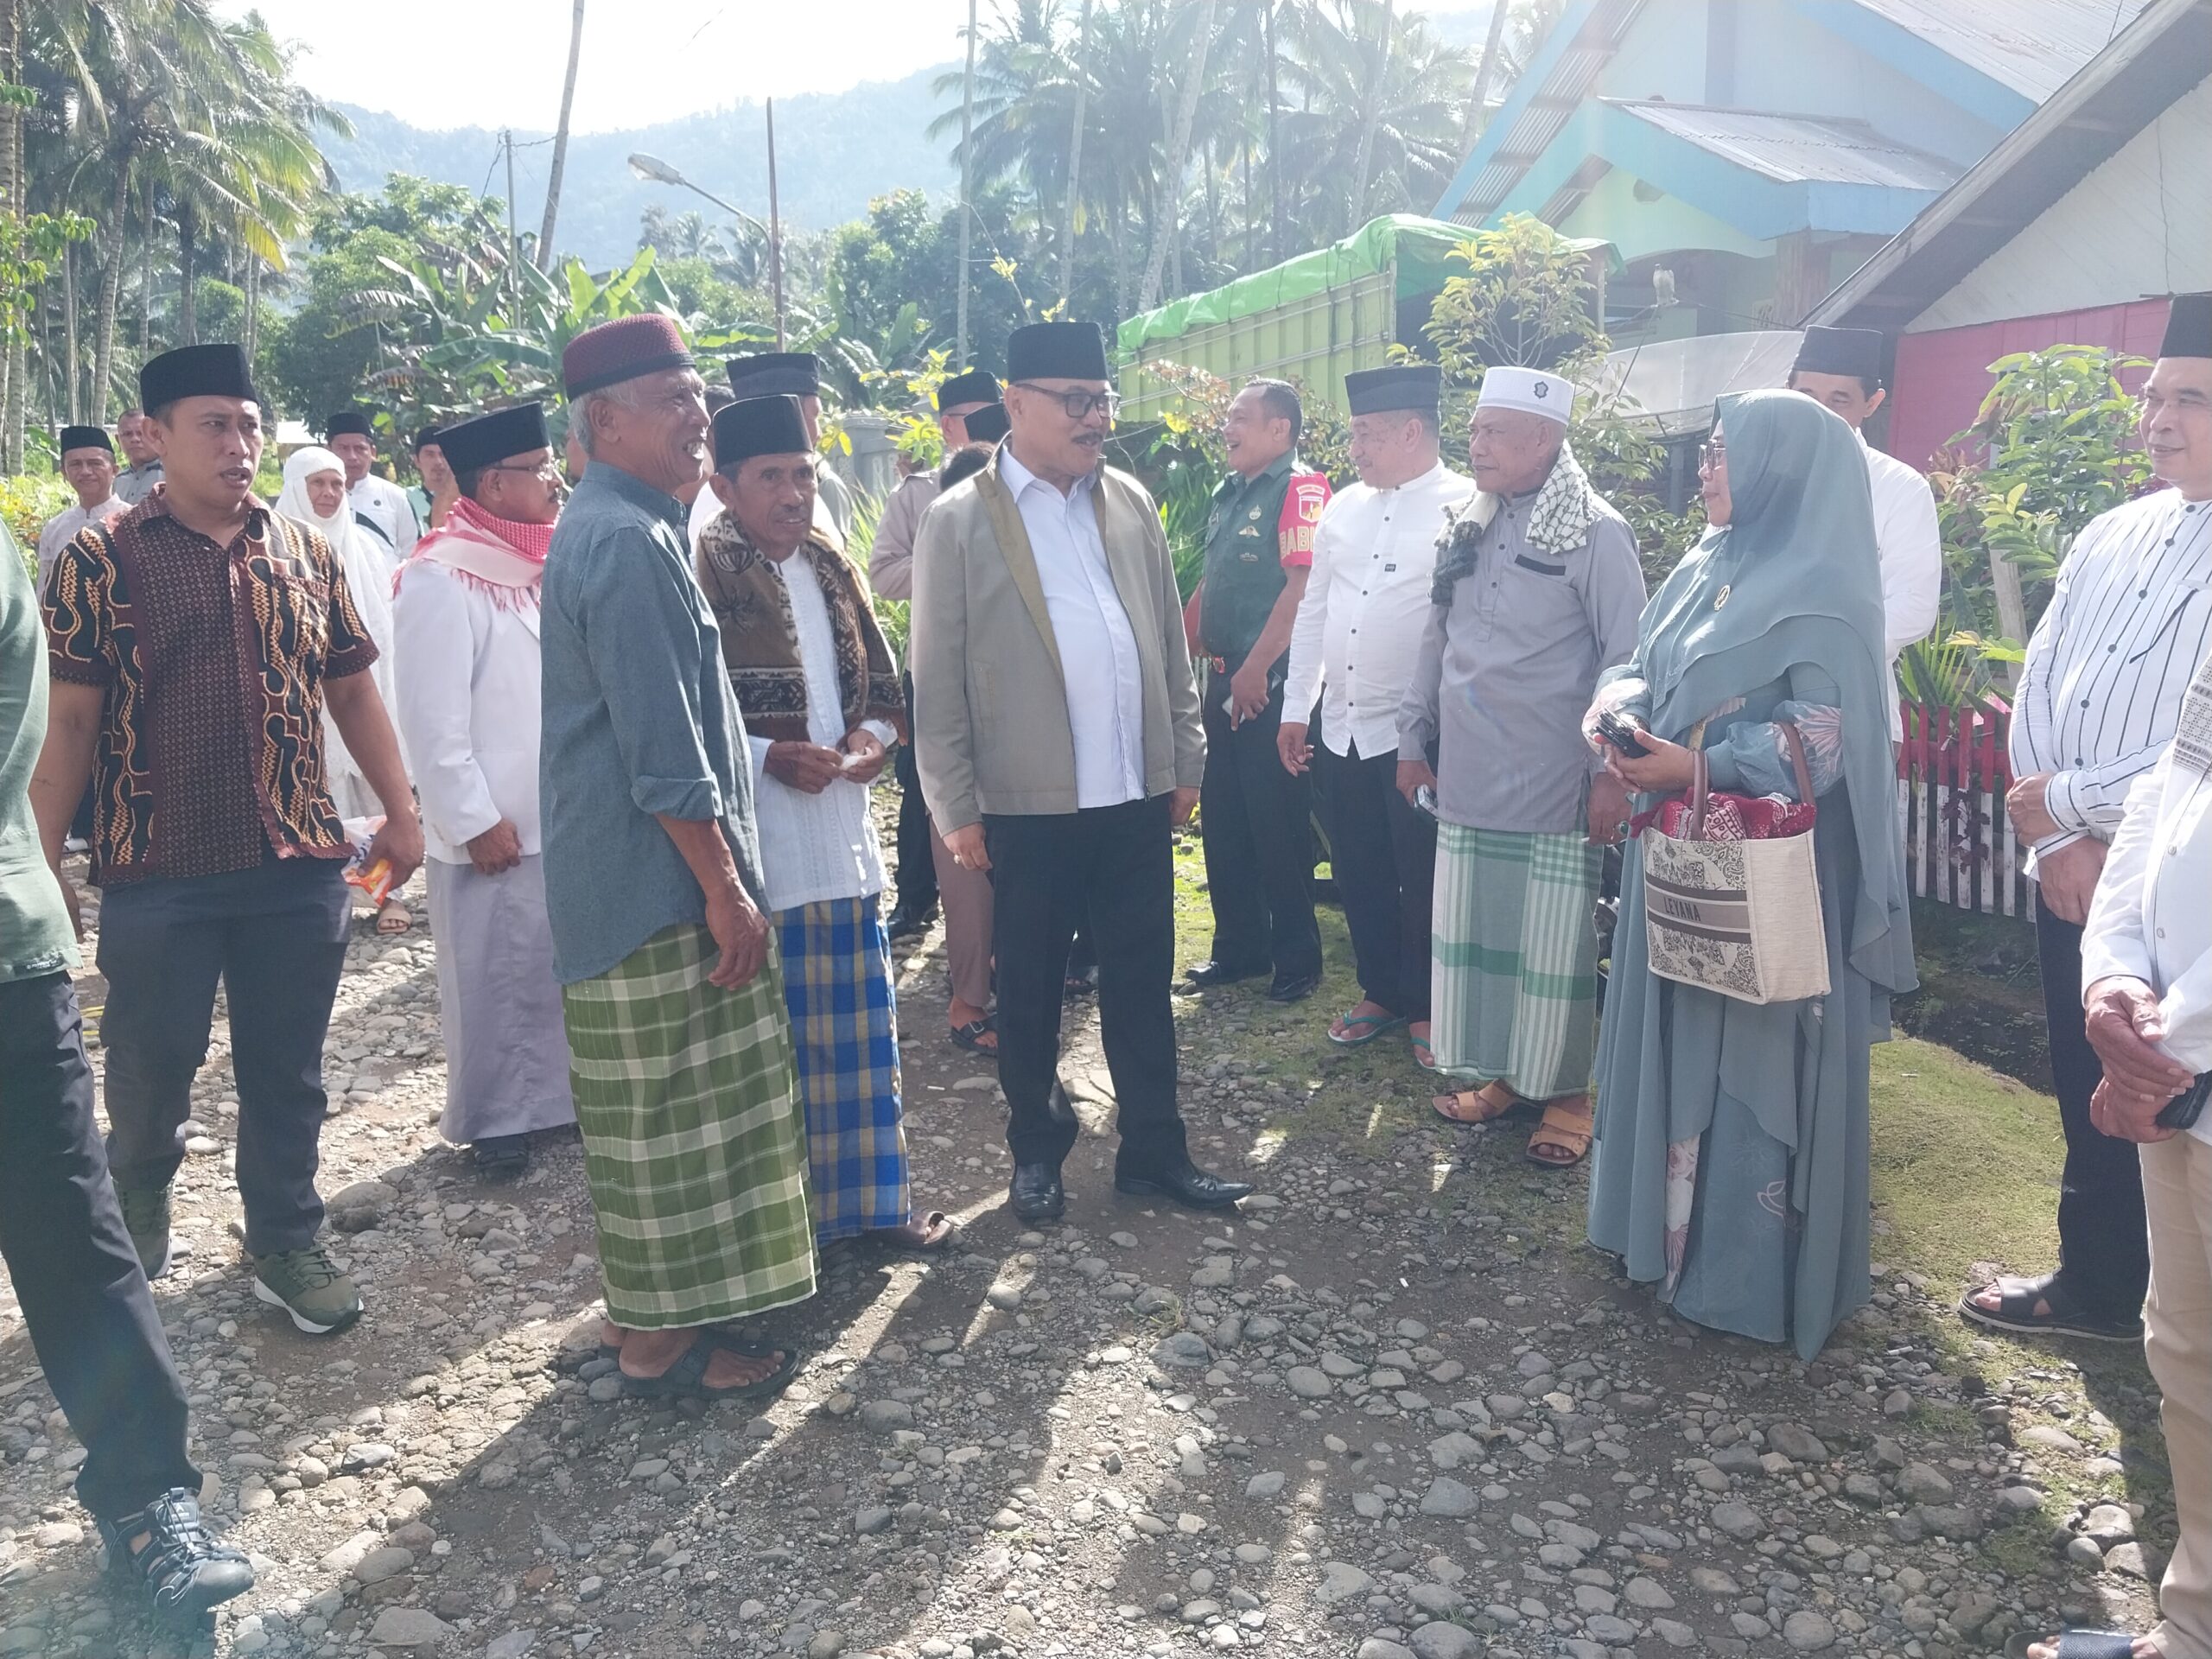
(468, 712)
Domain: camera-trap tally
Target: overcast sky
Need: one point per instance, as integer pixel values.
(453, 63)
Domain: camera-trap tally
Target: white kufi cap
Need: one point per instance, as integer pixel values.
(1532, 390)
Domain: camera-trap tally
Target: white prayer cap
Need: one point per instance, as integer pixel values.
(1528, 389)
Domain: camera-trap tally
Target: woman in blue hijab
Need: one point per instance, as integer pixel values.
(1731, 1168)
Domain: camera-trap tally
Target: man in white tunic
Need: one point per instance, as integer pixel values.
(88, 465)
(819, 693)
(1841, 369)
(2130, 619)
(377, 502)
(465, 625)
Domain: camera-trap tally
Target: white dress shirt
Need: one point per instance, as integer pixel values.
(815, 848)
(2151, 919)
(1098, 651)
(385, 504)
(2129, 620)
(1911, 549)
(466, 701)
(62, 528)
(1358, 630)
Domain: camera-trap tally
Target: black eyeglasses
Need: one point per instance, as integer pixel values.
(1711, 457)
(546, 469)
(1079, 405)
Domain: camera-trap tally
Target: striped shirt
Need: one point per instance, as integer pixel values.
(2129, 620)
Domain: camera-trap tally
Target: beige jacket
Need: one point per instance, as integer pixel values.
(891, 556)
(991, 729)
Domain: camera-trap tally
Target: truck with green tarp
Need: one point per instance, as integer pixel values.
(1312, 318)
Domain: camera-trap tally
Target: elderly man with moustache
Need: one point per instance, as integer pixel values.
(1537, 590)
(465, 617)
(2100, 694)
(1355, 644)
(695, 1140)
(201, 624)
(819, 694)
(1060, 742)
(136, 482)
(88, 465)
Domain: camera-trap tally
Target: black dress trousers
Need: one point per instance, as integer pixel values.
(1256, 818)
(1111, 869)
(2104, 1241)
(1383, 853)
(917, 863)
(85, 1300)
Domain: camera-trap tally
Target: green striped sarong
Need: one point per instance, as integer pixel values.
(1514, 953)
(694, 1137)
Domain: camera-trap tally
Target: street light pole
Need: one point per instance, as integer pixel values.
(967, 176)
(775, 231)
(653, 170)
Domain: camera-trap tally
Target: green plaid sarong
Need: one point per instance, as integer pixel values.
(1514, 953)
(695, 1138)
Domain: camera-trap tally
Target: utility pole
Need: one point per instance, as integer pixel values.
(775, 232)
(561, 142)
(1485, 70)
(514, 241)
(967, 176)
(1075, 156)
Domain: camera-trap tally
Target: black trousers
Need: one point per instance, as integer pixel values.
(1257, 821)
(85, 1303)
(917, 864)
(1110, 868)
(275, 937)
(2104, 1242)
(1383, 852)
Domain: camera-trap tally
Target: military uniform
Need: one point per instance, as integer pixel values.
(1256, 816)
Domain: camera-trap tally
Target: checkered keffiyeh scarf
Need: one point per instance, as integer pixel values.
(2193, 736)
(1567, 505)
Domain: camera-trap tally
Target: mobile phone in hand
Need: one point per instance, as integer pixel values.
(1621, 733)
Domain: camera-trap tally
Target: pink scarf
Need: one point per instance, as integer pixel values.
(502, 559)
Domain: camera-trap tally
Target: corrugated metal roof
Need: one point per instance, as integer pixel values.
(1797, 147)
(2031, 46)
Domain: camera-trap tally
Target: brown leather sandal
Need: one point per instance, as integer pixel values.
(1467, 1107)
(1567, 1130)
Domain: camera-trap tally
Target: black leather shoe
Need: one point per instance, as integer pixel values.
(1184, 1183)
(904, 924)
(1295, 988)
(1036, 1192)
(1220, 973)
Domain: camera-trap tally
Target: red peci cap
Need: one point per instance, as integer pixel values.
(610, 353)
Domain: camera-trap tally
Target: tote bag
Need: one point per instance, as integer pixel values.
(1739, 916)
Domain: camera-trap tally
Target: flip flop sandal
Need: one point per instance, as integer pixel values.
(1452, 1108)
(1571, 1132)
(943, 1235)
(2015, 1312)
(2075, 1644)
(1367, 1026)
(686, 1378)
(1424, 1055)
(970, 1036)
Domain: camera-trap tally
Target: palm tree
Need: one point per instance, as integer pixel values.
(1178, 151)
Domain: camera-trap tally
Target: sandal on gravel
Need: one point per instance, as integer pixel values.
(2073, 1644)
(500, 1157)
(686, 1378)
(394, 918)
(1467, 1107)
(180, 1568)
(1564, 1127)
(940, 1233)
(970, 1036)
(1358, 1030)
(2015, 1312)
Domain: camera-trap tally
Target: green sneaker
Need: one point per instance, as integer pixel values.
(146, 1219)
(307, 1286)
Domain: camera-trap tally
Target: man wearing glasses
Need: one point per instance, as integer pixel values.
(464, 632)
(1059, 740)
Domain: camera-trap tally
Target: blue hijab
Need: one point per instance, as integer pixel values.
(1794, 577)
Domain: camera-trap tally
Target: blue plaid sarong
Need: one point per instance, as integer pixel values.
(836, 962)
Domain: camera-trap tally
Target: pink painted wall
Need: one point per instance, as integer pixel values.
(1942, 376)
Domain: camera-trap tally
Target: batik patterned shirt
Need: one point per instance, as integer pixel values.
(212, 661)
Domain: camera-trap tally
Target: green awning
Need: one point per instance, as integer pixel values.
(1421, 249)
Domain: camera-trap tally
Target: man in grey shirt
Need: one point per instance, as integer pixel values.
(1537, 590)
(136, 482)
